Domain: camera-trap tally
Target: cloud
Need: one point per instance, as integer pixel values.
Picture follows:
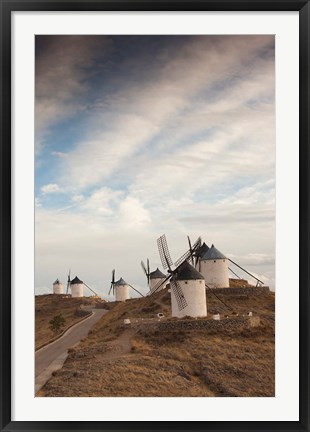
(62, 65)
(50, 188)
(183, 143)
(59, 154)
(37, 203)
(132, 214)
(77, 198)
(149, 111)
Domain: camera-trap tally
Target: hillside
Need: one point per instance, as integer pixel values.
(47, 306)
(142, 361)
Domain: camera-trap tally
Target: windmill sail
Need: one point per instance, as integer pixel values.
(69, 281)
(173, 276)
(164, 252)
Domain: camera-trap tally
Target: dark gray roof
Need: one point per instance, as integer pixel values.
(213, 254)
(202, 250)
(75, 281)
(56, 282)
(157, 274)
(188, 272)
(120, 282)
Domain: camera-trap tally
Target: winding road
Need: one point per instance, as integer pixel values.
(52, 356)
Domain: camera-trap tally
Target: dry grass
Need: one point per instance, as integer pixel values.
(47, 306)
(173, 363)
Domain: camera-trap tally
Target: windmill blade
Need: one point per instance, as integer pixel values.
(183, 258)
(144, 268)
(178, 293)
(112, 286)
(164, 252)
(191, 249)
(197, 244)
(69, 280)
(136, 290)
(158, 285)
(190, 253)
(112, 282)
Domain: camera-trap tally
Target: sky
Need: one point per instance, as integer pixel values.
(137, 136)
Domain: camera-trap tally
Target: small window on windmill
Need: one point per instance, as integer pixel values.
(185, 282)
(215, 261)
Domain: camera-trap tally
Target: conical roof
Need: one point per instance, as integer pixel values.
(76, 281)
(157, 274)
(213, 254)
(202, 250)
(57, 282)
(120, 282)
(188, 272)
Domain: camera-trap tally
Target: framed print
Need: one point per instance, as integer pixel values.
(155, 215)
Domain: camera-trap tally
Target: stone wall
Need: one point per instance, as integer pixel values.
(251, 291)
(229, 323)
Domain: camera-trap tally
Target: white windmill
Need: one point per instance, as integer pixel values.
(214, 268)
(188, 291)
(154, 277)
(213, 265)
(120, 288)
(77, 287)
(58, 287)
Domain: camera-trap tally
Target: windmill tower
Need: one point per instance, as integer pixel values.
(214, 268)
(77, 287)
(188, 293)
(192, 284)
(154, 277)
(121, 288)
(58, 287)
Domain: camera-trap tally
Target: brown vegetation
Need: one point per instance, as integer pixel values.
(48, 306)
(117, 362)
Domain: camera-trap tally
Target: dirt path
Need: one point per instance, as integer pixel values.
(120, 346)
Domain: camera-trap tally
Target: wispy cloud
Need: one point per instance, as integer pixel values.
(175, 137)
(50, 188)
(62, 66)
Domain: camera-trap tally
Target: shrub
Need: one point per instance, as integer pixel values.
(57, 323)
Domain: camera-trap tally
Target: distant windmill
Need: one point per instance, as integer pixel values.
(58, 287)
(199, 253)
(213, 265)
(154, 277)
(77, 287)
(120, 288)
(188, 294)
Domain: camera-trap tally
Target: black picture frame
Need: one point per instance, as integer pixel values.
(7, 7)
